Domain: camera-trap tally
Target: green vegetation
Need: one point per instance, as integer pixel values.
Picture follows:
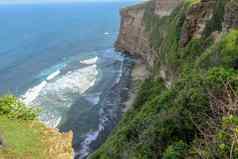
(19, 130)
(13, 108)
(22, 136)
(197, 116)
(222, 54)
(22, 139)
(215, 24)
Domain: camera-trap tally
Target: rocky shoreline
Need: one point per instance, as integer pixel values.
(120, 98)
(111, 91)
(113, 103)
(124, 93)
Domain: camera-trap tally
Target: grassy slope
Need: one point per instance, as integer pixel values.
(32, 140)
(171, 123)
(22, 139)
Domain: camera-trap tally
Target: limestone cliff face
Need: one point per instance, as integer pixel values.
(231, 15)
(133, 39)
(189, 50)
(198, 17)
(196, 20)
(165, 7)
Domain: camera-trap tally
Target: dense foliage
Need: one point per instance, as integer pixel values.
(197, 116)
(13, 108)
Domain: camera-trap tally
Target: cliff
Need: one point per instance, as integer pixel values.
(139, 31)
(32, 140)
(165, 7)
(188, 107)
(132, 38)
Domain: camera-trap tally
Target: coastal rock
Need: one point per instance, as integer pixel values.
(133, 39)
(60, 144)
(165, 7)
(231, 15)
(196, 20)
(190, 47)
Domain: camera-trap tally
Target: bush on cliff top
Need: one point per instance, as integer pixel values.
(24, 137)
(13, 108)
(223, 53)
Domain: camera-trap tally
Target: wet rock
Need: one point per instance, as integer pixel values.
(133, 39)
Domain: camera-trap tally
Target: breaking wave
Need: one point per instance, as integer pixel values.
(57, 92)
(32, 93)
(90, 61)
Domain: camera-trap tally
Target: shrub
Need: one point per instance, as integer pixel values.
(215, 24)
(16, 109)
(224, 53)
(175, 151)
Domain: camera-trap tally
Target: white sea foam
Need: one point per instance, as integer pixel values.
(33, 93)
(53, 122)
(106, 33)
(56, 96)
(110, 53)
(118, 79)
(54, 69)
(93, 98)
(53, 75)
(90, 61)
(60, 93)
(76, 81)
(92, 136)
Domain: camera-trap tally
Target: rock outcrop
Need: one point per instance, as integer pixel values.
(132, 38)
(59, 144)
(231, 15)
(165, 7)
(191, 51)
(196, 20)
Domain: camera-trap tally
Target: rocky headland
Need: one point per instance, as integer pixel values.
(186, 107)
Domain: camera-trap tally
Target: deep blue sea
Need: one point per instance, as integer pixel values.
(61, 56)
(34, 38)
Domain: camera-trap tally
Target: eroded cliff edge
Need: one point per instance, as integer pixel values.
(23, 136)
(138, 29)
(133, 37)
(188, 107)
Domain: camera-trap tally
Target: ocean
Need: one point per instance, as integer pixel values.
(60, 57)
